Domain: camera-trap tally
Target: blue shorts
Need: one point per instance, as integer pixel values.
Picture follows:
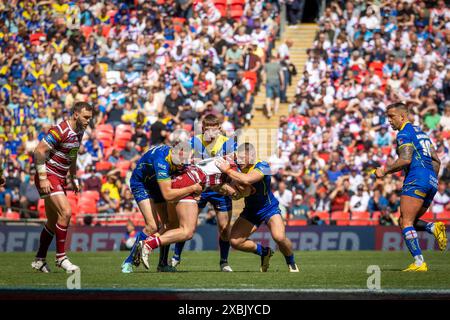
(143, 191)
(220, 202)
(262, 216)
(273, 91)
(422, 184)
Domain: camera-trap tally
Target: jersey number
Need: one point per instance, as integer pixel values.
(426, 147)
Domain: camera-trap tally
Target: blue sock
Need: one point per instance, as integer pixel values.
(224, 247)
(260, 250)
(429, 227)
(178, 250)
(140, 236)
(290, 259)
(412, 242)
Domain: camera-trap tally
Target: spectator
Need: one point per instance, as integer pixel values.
(377, 202)
(284, 196)
(441, 201)
(129, 237)
(274, 81)
(300, 209)
(359, 202)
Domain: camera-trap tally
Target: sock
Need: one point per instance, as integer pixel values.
(140, 236)
(61, 234)
(179, 246)
(44, 242)
(412, 242)
(260, 250)
(290, 259)
(224, 247)
(153, 242)
(163, 255)
(419, 225)
(430, 227)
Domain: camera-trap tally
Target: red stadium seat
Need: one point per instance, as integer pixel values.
(237, 4)
(342, 222)
(41, 209)
(124, 166)
(106, 138)
(105, 128)
(105, 30)
(86, 31)
(221, 5)
(376, 215)
(340, 215)
(90, 194)
(121, 128)
(13, 215)
(86, 205)
(428, 215)
(178, 23)
(103, 165)
(443, 215)
(236, 14)
(364, 215)
(386, 150)
(323, 215)
(297, 222)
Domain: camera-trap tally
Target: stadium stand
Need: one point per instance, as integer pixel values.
(125, 57)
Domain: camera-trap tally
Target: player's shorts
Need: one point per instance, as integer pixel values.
(220, 202)
(58, 185)
(257, 218)
(421, 184)
(143, 191)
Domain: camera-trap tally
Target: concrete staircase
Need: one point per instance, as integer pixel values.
(263, 132)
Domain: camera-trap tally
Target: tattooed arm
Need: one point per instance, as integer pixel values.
(435, 161)
(404, 159)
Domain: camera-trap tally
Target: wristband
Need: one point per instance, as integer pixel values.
(41, 168)
(42, 177)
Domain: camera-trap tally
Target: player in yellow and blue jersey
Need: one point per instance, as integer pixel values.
(151, 186)
(261, 206)
(418, 159)
(211, 143)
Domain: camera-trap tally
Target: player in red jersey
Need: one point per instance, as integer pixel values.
(55, 156)
(184, 211)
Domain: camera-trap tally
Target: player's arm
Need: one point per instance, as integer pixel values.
(73, 175)
(40, 155)
(436, 162)
(404, 159)
(171, 194)
(244, 178)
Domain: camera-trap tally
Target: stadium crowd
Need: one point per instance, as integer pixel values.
(148, 67)
(366, 55)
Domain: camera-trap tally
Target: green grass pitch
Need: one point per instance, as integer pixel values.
(318, 270)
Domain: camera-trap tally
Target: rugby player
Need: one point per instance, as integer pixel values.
(185, 211)
(418, 159)
(55, 156)
(151, 186)
(211, 143)
(260, 206)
